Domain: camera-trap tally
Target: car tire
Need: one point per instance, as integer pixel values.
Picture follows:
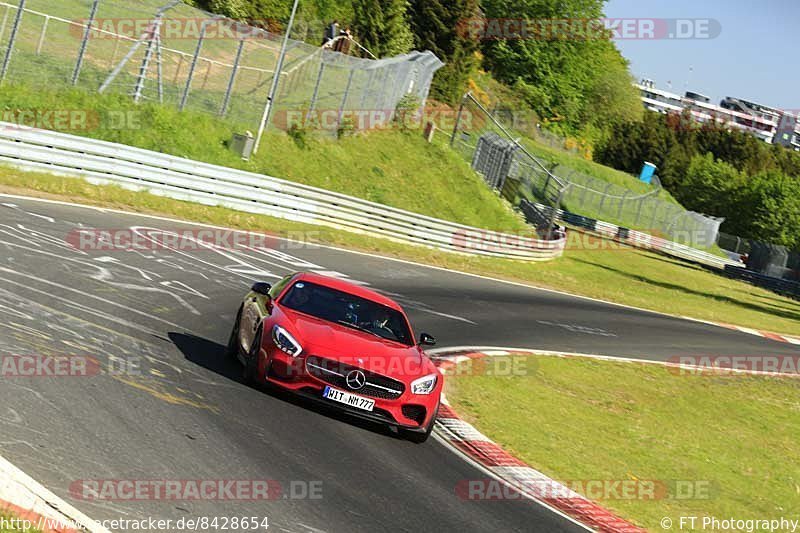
(420, 437)
(232, 350)
(251, 360)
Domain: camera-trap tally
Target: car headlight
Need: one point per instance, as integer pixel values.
(285, 341)
(424, 385)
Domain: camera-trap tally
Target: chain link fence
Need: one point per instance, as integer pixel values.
(533, 179)
(504, 162)
(184, 57)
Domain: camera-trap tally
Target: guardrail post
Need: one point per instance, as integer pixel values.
(82, 50)
(12, 39)
(226, 100)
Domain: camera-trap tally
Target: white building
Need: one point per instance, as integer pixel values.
(758, 120)
(788, 133)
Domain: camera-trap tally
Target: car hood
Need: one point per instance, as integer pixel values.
(326, 339)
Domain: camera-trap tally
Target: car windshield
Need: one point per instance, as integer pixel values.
(348, 310)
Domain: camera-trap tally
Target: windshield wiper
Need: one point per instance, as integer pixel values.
(359, 328)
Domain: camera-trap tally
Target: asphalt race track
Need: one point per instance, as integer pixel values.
(183, 414)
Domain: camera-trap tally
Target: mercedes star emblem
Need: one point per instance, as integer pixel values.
(356, 379)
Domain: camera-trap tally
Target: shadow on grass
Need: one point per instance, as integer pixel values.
(791, 315)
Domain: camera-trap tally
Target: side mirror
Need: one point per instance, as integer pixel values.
(426, 340)
(259, 287)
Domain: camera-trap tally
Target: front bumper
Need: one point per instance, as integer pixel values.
(411, 412)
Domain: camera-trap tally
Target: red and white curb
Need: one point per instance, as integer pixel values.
(495, 461)
(26, 499)
(751, 331)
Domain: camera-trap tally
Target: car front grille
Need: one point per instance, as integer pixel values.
(335, 374)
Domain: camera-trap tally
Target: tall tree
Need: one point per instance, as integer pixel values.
(567, 67)
(440, 26)
(381, 26)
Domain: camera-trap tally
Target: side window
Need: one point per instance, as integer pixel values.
(278, 287)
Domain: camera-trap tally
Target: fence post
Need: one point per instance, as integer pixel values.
(621, 203)
(148, 56)
(315, 95)
(639, 211)
(84, 42)
(42, 35)
(586, 187)
(12, 39)
(655, 214)
(5, 21)
(232, 80)
(554, 212)
(160, 70)
(193, 66)
(178, 69)
(603, 197)
(458, 119)
(366, 90)
(344, 99)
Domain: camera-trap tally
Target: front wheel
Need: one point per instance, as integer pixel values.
(251, 361)
(232, 351)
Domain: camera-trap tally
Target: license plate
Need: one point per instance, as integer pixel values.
(359, 402)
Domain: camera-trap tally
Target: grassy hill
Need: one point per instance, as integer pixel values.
(391, 167)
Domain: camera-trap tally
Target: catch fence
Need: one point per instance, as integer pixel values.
(182, 56)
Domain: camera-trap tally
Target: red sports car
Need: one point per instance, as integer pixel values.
(342, 344)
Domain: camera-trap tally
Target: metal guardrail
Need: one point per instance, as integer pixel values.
(778, 285)
(104, 162)
(640, 240)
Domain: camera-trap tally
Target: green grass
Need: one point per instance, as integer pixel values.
(390, 167)
(577, 419)
(619, 274)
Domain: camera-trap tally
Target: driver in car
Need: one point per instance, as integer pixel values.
(380, 324)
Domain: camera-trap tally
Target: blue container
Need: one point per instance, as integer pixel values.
(647, 172)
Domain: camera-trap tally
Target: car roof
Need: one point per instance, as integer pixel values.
(348, 287)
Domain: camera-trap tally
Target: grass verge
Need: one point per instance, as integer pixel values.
(391, 167)
(618, 274)
(729, 439)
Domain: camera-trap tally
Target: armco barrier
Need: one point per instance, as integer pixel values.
(640, 239)
(778, 285)
(184, 179)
